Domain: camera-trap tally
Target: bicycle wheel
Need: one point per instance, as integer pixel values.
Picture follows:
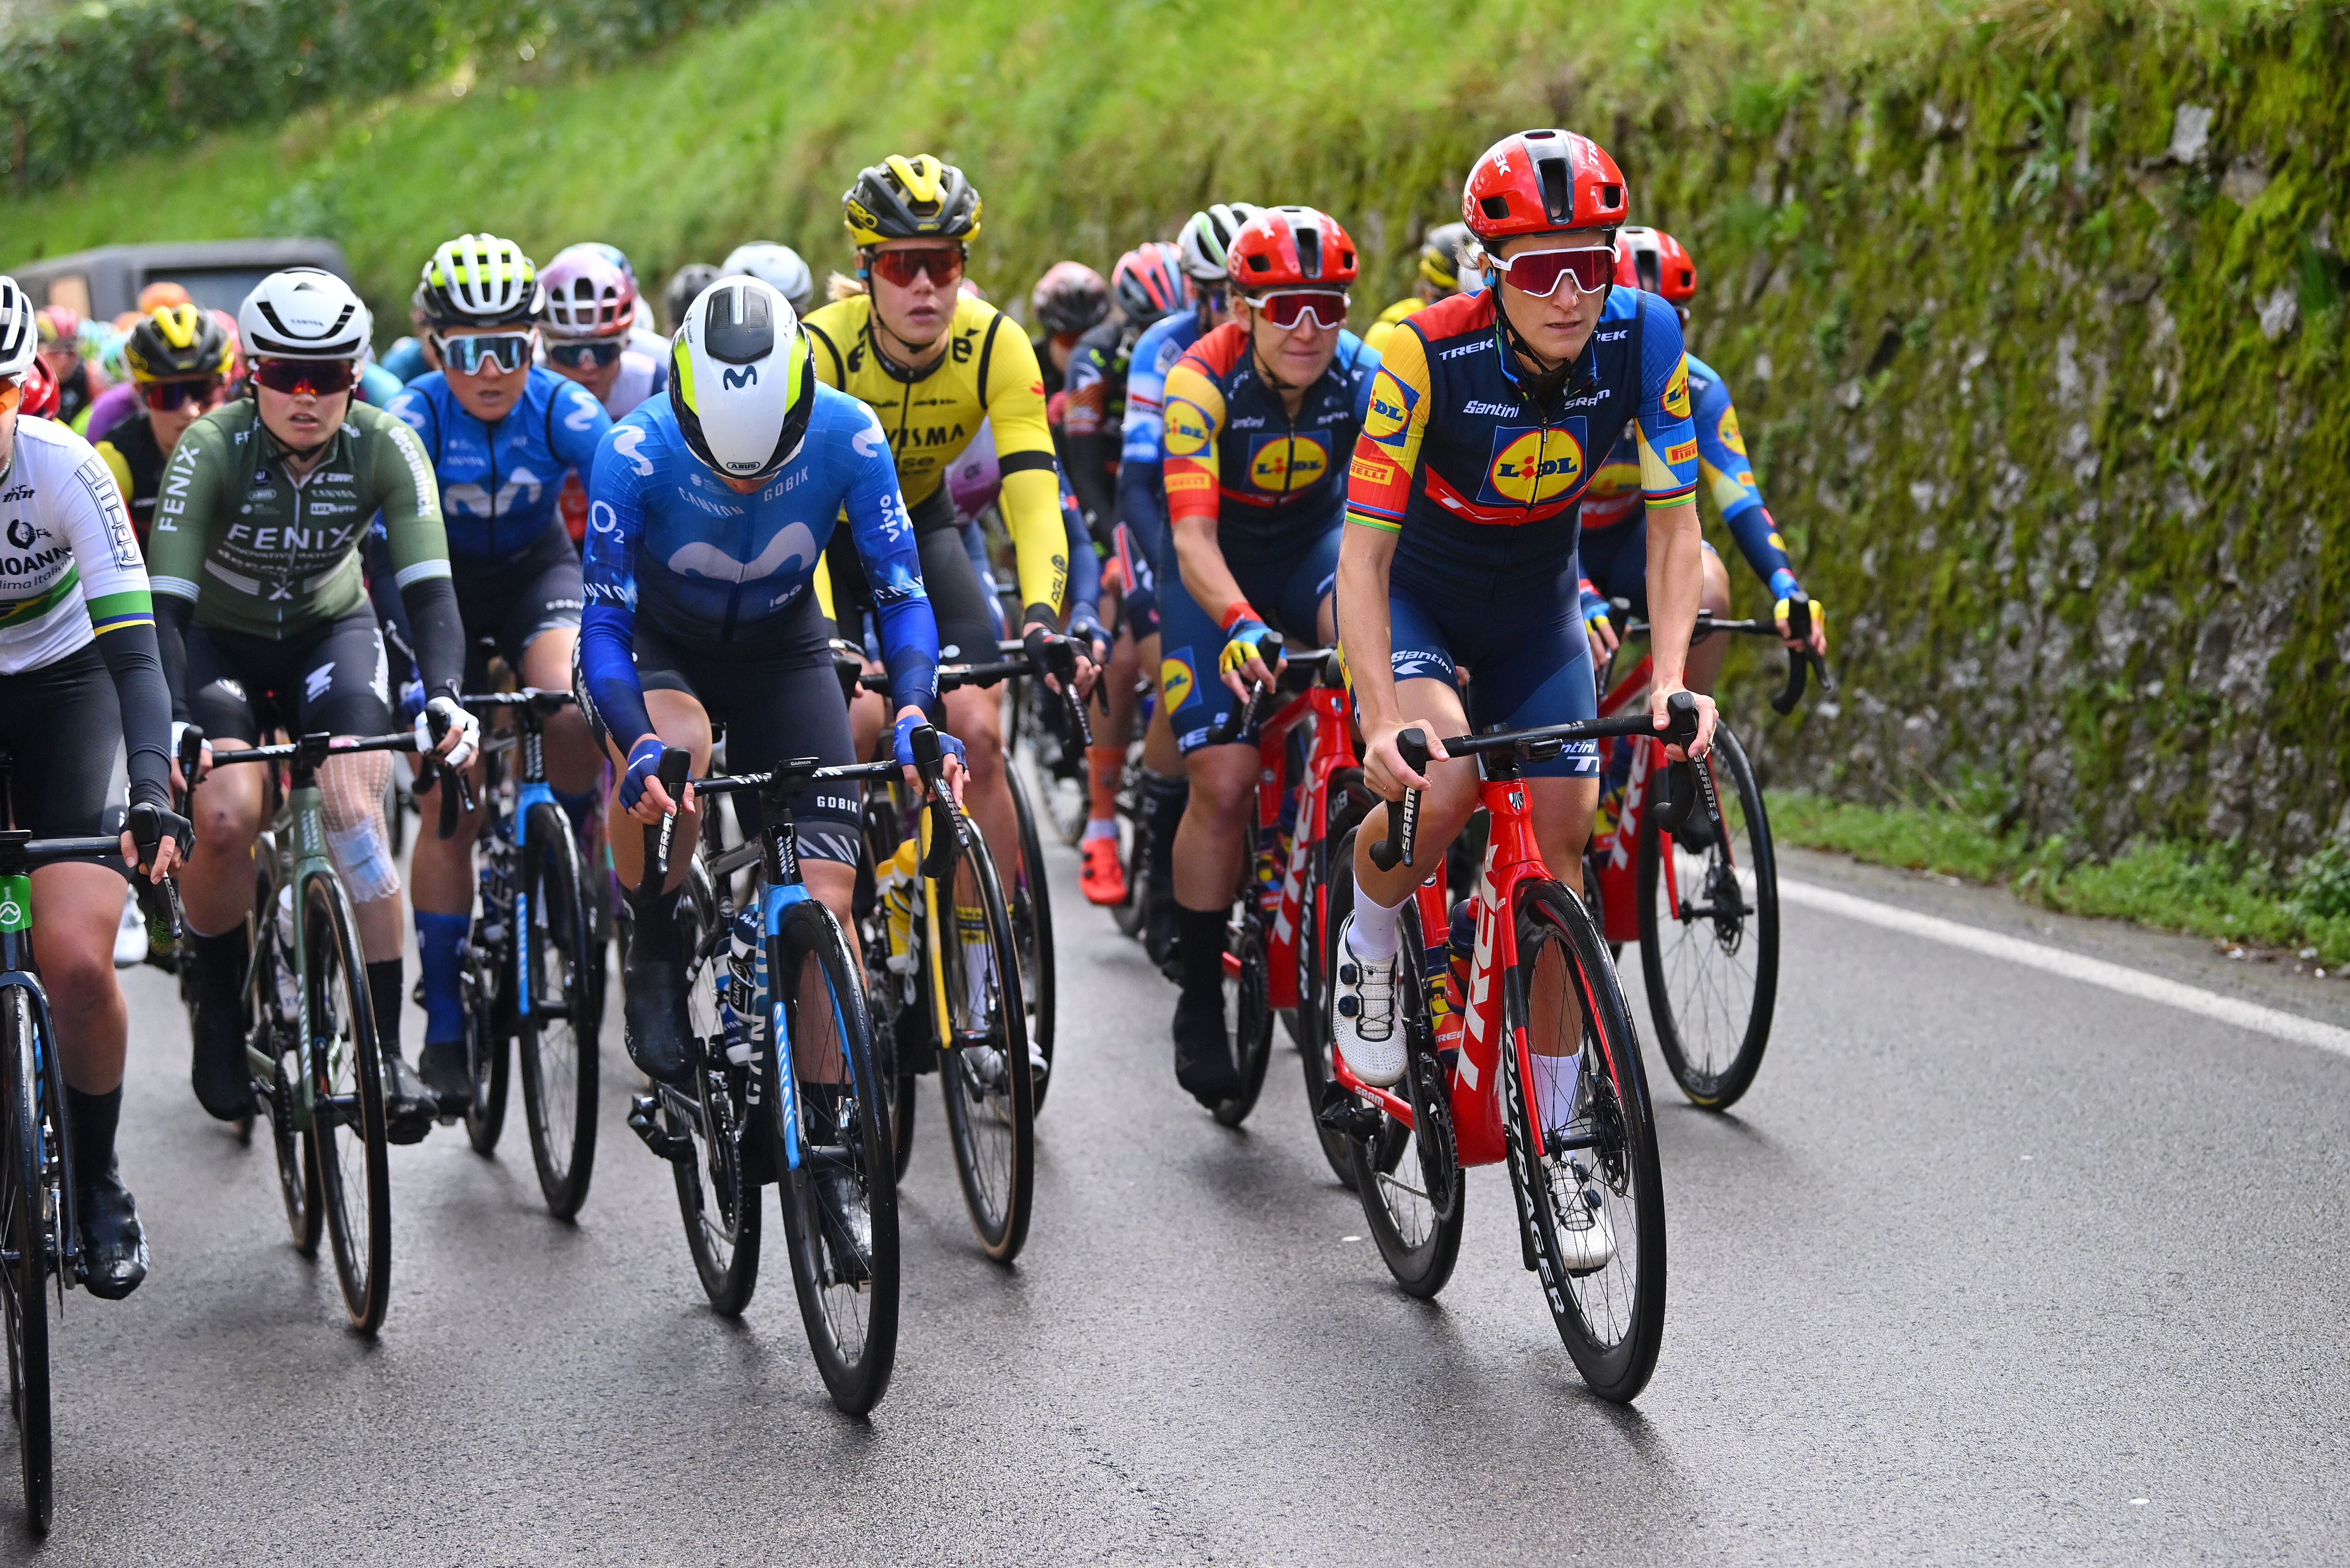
(1611, 1317)
(1031, 934)
(1337, 1148)
(488, 1009)
(1134, 850)
(1408, 1178)
(278, 1035)
(1710, 935)
(1248, 1003)
(983, 1072)
(899, 1021)
(27, 1231)
(349, 1149)
(557, 1028)
(719, 1204)
(840, 1205)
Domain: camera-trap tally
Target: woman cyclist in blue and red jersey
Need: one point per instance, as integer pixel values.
(1459, 547)
(1260, 414)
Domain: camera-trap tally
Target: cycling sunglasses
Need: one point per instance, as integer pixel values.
(164, 396)
(1536, 273)
(579, 356)
(319, 378)
(506, 352)
(11, 394)
(900, 268)
(1289, 308)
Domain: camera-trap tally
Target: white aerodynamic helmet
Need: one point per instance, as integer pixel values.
(20, 334)
(740, 382)
(303, 313)
(778, 264)
(1208, 234)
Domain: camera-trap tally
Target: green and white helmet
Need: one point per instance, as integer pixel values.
(1208, 234)
(480, 280)
(740, 382)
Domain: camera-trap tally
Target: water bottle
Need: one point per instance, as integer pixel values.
(289, 992)
(896, 882)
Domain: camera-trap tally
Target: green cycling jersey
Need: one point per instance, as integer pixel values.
(257, 552)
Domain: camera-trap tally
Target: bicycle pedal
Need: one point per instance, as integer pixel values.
(1344, 1115)
(644, 1120)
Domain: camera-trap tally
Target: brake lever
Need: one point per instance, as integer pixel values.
(1403, 820)
(948, 835)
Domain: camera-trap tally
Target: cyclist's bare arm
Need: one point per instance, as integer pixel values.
(1676, 588)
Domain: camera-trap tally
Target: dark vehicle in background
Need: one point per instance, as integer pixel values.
(102, 284)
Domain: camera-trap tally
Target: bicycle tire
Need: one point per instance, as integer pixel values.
(298, 1170)
(557, 1034)
(486, 1044)
(1248, 1003)
(887, 1010)
(1611, 1319)
(26, 1231)
(718, 1203)
(1031, 908)
(1416, 1229)
(989, 1099)
(1134, 850)
(852, 1323)
(1337, 1148)
(1713, 1055)
(346, 1114)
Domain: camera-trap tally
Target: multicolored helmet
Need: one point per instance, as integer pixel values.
(1654, 260)
(1149, 282)
(1070, 299)
(588, 296)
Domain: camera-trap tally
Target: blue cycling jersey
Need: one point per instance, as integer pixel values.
(499, 482)
(667, 539)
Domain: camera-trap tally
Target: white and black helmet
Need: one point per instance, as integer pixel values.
(740, 382)
(20, 335)
(1207, 235)
(303, 313)
(778, 264)
(480, 280)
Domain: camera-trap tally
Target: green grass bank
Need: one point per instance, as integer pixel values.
(2032, 310)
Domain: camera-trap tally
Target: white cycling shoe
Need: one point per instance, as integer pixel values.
(1586, 1242)
(131, 935)
(1363, 1014)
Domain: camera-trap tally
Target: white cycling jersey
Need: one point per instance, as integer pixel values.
(69, 565)
(641, 377)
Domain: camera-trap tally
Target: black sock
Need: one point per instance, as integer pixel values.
(220, 966)
(384, 995)
(1163, 800)
(1199, 936)
(93, 1118)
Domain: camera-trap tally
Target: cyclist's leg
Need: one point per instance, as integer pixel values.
(973, 715)
(441, 869)
(542, 630)
(216, 884)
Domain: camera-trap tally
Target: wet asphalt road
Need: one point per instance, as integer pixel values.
(1989, 1265)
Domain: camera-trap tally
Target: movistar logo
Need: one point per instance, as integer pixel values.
(737, 380)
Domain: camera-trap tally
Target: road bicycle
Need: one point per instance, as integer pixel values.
(311, 1040)
(939, 944)
(40, 1235)
(1539, 975)
(527, 978)
(1703, 903)
(786, 1084)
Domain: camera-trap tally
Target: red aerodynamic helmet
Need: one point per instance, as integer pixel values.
(42, 396)
(1540, 182)
(1654, 260)
(1291, 247)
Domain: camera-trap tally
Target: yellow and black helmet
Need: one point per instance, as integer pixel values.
(178, 343)
(916, 198)
(1440, 256)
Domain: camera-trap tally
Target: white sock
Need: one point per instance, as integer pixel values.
(1556, 1078)
(1100, 827)
(1374, 937)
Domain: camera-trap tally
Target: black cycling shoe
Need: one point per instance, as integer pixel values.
(1696, 835)
(657, 1032)
(1159, 927)
(222, 1076)
(448, 1073)
(408, 1108)
(113, 1242)
(1204, 1049)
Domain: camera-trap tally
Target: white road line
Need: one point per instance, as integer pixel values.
(2072, 966)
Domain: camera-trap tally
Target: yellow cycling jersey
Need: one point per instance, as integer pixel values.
(1376, 338)
(989, 372)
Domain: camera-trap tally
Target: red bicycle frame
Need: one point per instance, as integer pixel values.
(1617, 854)
(1280, 885)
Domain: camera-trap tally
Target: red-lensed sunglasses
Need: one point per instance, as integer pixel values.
(1537, 273)
(319, 378)
(1291, 307)
(900, 268)
(165, 397)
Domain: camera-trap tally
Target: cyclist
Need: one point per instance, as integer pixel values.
(179, 360)
(712, 508)
(1148, 285)
(1440, 278)
(79, 382)
(933, 362)
(499, 433)
(778, 264)
(1261, 415)
(1615, 538)
(685, 285)
(591, 309)
(1202, 246)
(1460, 545)
(1069, 301)
(255, 556)
(79, 677)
